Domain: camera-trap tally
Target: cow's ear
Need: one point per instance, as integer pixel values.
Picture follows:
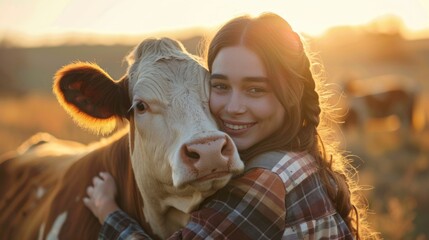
(91, 96)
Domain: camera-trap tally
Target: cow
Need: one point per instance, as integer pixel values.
(166, 159)
(379, 98)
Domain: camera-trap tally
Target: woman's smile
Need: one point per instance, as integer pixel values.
(234, 127)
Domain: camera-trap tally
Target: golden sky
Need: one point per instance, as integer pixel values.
(40, 17)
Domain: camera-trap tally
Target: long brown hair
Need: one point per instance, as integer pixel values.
(290, 74)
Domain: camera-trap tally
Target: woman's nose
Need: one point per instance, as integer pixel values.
(236, 104)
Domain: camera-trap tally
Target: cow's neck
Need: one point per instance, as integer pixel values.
(165, 209)
(115, 158)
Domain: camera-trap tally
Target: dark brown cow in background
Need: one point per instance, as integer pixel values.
(378, 98)
(166, 161)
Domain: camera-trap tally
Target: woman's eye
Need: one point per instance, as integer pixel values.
(219, 86)
(257, 90)
(141, 107)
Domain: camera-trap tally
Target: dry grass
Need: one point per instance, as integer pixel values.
(22, 117)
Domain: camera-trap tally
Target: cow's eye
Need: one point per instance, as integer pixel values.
(141, 107)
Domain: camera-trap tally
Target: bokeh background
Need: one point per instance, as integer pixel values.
(375, 55)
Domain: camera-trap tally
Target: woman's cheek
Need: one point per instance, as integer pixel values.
(215, 103)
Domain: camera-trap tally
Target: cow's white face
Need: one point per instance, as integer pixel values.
(178, 155)
(175, 139)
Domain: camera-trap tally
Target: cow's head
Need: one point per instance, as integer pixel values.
(175, 146)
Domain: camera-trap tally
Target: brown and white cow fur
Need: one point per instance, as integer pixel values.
(166, 161)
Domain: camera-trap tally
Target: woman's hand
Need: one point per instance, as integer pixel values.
(101, 196)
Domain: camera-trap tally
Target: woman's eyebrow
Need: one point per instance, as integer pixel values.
(255, 79)
(218, 76)
(246, 79)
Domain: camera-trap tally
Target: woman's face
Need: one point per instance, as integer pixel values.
(241, 99)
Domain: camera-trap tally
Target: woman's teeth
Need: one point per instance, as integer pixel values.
(237, 127)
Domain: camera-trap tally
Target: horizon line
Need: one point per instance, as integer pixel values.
(25, 40)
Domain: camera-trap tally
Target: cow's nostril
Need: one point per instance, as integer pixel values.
(191, 154)
(226, 148)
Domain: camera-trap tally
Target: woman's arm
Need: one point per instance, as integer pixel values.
(116, 224)
(250, 206)
(119, 225)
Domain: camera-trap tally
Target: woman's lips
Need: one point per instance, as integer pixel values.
(236, 127)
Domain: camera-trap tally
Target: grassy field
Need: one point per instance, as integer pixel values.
(392, 161)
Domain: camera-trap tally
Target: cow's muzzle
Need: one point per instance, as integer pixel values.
(209, 157)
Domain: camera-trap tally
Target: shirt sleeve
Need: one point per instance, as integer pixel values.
(119, 225)
(311, 214)
(250, 207)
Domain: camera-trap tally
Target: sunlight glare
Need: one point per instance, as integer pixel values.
(142, 16)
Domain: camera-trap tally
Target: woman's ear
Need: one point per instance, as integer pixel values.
(91, 96)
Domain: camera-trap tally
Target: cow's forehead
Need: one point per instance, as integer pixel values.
(170, 67)
(168, 74)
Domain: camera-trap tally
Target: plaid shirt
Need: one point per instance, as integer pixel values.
(282, 200)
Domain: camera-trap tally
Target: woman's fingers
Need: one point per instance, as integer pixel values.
(87, 202)
(106, 176)
(90, 191)
(96, 180)
(100, 197)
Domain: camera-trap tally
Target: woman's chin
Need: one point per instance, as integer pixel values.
(241, 144)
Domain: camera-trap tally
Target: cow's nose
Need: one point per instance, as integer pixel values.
(208, 155)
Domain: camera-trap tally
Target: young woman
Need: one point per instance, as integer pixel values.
(295, 186)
